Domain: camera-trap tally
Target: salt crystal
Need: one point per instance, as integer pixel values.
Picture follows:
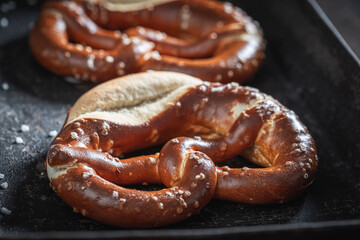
(5, 211)
(86, 174)
(109, 59)
(156, 55)
(74, 135)
(228, 7)
(121, 64)
(126, 40)
(135, 40)
(5, 86)
(4, 185)
(213, 35)
(91, 62)
(4, 22)
(153, 160)
(141, 30)
(25, 128)
(179, 210)
(19, 140)
(201, 176)
(115, 194)
(53, 133)
(238, 66)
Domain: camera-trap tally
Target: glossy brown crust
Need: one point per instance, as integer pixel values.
(208, 123)
(212, 40)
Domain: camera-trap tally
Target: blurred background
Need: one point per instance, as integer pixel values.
(345, 15)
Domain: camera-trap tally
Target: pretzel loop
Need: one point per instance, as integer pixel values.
(89, 190)
(200, 124)
(98, 40)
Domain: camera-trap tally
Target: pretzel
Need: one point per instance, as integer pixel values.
(99, 40)
(201, 123)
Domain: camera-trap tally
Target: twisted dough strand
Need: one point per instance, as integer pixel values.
(98, 40)
(201, 123)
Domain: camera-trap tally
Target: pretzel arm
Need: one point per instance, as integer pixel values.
(135, 170)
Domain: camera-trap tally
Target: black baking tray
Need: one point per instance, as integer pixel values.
(309, 68)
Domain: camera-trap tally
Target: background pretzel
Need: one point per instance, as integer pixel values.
(100, 40)
(200, 123)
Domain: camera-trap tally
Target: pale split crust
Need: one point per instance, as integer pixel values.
(129, 5)
(128, 100)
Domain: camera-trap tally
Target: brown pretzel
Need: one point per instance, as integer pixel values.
(207, 39)
(201, 123)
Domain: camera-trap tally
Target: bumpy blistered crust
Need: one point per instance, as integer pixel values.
(203, 124)
(100, 40)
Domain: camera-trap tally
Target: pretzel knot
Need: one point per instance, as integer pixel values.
(97, 40)
(201, 124)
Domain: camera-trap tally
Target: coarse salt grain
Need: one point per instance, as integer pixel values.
(213, 35)
(126, 40)
(194, 156)
(153, 160)
(25, 128)
(115, 194)
(201, 176)
(228, 7)
(74, 135)
(156, 55)
(5, 86)
(5, 211)
(4, 185)
(109, 59)
(4, 22)
(19, 140)
(53, 133)
(86, 174)
(91, 62)
(2, 176)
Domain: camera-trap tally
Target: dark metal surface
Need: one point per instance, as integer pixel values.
(307, 69)
(345, 15)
